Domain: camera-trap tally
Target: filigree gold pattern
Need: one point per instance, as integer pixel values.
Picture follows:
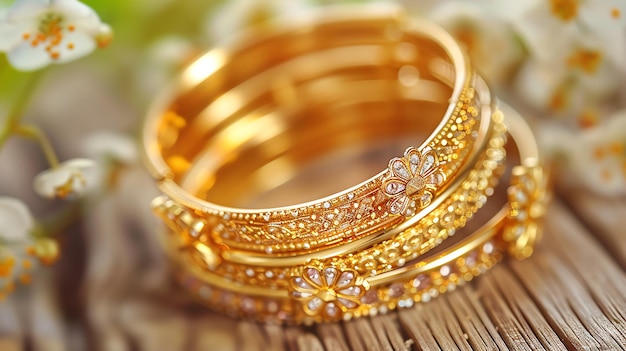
(327, 291)
(413, 178)
(528, 198)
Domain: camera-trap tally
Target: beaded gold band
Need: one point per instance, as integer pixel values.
(223, 98)
(330, 290)
(372, 255)
(257, 124)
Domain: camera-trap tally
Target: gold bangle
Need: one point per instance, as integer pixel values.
(372, 255)
(172, 130)
(321, 291)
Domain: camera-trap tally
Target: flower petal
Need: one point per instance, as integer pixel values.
(26, 57)
(47, 182)
(393, 186)
(429, 161)
(414, 158)
(75, 45)
(399, 205)
(72, 8)
(398, 168)
(78, 163)
(16, 220)
(26, 10)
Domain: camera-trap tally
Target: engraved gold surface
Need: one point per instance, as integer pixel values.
(228, 124)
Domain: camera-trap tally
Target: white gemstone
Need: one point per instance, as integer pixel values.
(488, 248)
(350, 196)
(269, 274)
(294, 213)
(268, 250)
(248, 305)
(345, 279)
(314, 274)
(445, 271)
(394, 188)
(330, 273)
(351, 291)
(327, 205)
(331, 309)
(266, 216)
(303, 295)
(408, 302)
(414, 159)
(426, 198)
(301, 283)
(347, 303)
(429, 161)
(425, 297)
(250, 272)
(400, 169)
(315, 303)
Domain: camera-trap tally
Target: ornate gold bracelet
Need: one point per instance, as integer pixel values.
(215, 102)
(326, 290)
(298, 103)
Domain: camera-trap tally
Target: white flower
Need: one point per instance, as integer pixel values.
(36, 33)
(599, 160)
(550, 27)
(493, 48)
(16, 220)
(576, 50)
(595, 157)
(109, 145)
(112, 151)
(69, 179)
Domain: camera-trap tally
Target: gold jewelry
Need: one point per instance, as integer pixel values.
(246, 120)
(374, 254)
(324, 291)
(186, 169)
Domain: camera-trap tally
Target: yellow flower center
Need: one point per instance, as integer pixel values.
(616, 13)
(565, 10)
(50, 34)
(587, 61)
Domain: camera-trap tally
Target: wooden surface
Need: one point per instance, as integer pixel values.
(571, 295)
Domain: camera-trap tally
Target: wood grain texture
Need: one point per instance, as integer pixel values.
(570, 295)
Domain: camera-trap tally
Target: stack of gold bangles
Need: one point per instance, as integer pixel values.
(328, 169)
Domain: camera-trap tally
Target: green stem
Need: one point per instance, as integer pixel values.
(17, 112)
(34, 133)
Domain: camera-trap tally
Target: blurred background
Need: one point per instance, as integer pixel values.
(560, 62)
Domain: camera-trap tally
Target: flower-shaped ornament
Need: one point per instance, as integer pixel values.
(328, 291)
(412, 178)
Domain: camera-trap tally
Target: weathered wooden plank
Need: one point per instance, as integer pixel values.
(519, 321)
(481, 333)
(211, 332)
(309, 342)
(368, 336)
(602, 299)
(388, 332)
(605, 216)
(333, 336)
(413, 323)
(439, 317)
